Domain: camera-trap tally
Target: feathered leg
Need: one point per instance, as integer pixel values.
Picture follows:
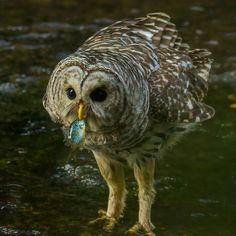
(144, 174)
(113, 174)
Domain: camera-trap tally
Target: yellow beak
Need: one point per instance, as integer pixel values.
(81, 115)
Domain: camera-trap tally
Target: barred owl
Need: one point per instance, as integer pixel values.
(137, 89)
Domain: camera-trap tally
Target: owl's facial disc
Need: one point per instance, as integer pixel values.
(64, 94)
(102, 92)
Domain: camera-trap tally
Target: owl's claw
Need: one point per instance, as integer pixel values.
(139, 229)
(108, 222)
(102, 212)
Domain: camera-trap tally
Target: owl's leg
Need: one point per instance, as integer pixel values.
(113, 174)
(144, 174)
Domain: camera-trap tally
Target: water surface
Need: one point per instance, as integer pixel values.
(45, 189)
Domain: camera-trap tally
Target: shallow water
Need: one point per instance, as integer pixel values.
(48, 190)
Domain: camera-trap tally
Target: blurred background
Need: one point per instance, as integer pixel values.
(45, 188)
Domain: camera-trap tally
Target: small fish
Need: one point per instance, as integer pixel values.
(77, 131)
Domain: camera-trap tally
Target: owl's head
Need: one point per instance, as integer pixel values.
(108, 102)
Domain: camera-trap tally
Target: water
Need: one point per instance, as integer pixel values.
(48, 190)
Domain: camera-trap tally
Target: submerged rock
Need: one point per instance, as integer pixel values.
(8, 88)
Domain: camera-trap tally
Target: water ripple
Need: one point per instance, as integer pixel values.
(85, 175)
(8, 88)
(34, 36)
(208, 201)
(229, 76)
(4, 230)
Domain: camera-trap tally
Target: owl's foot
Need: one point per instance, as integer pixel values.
(139, 229)
(107, 223)
(101, 217)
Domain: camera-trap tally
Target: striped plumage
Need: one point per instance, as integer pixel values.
(154, 84)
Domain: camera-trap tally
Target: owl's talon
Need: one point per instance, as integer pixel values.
(134, 230)
(102, 212)
(108, 222)
(139, 229)
(102, 217)
(97, 220)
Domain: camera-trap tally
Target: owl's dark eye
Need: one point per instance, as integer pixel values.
(71, 94)
(98, 95)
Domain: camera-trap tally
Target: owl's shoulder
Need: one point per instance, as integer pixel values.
(154, 30)
(150, 48)
(179, 86)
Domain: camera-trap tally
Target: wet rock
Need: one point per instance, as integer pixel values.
(4, 43)
(197, 214)
(5, 230)
(34, 36)
(135, 11)
(40, 70)
(55, 26)
(225, 77)
(17, 28)
(213, 42)
(232, 59)
(197, 8)
(199, 32)
(186, 24)
(25, 79)
(231, 35)
(103, 21)
(85, 175)
(8, 88)
(7, 205)
(208, 201)
(32, 46)
(22, 151)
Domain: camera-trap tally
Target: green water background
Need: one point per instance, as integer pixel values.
(47, 190)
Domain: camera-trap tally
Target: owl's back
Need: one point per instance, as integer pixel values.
(150, 46)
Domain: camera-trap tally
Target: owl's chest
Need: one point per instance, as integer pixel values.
(156, 140)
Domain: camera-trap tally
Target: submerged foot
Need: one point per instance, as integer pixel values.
(139, 229)
(106, 222)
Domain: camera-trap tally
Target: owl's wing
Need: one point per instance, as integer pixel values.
(154, 30)
(179, 86)
(177, 76)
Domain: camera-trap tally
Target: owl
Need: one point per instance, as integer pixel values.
(134, 88)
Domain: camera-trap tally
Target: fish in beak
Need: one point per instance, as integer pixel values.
(77, 128)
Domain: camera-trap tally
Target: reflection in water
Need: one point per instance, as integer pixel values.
(46, 189)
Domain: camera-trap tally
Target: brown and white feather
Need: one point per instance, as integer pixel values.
(155, 87)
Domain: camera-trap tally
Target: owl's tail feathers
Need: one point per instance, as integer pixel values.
(201, 62)
(198, 75)
(197, 113)
(166, 34)
(199, 84)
